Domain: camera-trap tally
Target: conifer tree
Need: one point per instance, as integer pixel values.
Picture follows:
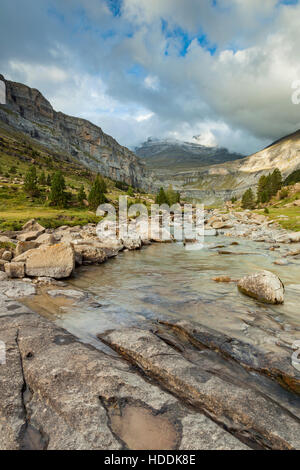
(58, 196)
(30, 182)
(81, 195)
(42, 179)
(97, 196)
(248, 200)
(161, 197)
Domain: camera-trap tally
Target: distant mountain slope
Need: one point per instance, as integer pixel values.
(220, 182)
(176, 154)
(27, 111)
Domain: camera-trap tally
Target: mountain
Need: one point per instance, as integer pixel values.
(28, 111)
(179, 155)
(221, 182)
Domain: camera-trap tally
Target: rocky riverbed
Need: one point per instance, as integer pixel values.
(199, 366)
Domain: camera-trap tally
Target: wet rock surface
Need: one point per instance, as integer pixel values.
(263, 416)
(57, 393)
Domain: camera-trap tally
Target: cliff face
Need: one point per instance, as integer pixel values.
(27, 110)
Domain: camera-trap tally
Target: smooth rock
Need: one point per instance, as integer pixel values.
(263, 286)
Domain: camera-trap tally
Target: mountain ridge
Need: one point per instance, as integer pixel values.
(28, 111)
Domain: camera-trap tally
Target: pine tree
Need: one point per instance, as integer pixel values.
(172, 196)
(58, 196)
(275, 182)
(42, 179)
(48, 182)
(96, 196)
(81, 195)
(30, 182)
(248, 200)
(161, 197)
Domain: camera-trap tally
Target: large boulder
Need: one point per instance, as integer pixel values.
(57, 261)
(46, 239)
(264, 286)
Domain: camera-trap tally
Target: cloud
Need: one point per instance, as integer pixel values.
(219, 69)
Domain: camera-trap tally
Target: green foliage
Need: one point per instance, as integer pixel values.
(283, 194)
(30, 182)
(48, 182)
(173, 197)
(97, 196)
(12, 170)
(248, 200)
(58, 196)
(234, 199)
(130, 191)
(266, 211)
(161, 197)
(122, 186)
(81, 195)
(293, 178)
(169, 197)
(268, 186)
(42, 179)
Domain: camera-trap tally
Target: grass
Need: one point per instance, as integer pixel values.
(293, 214)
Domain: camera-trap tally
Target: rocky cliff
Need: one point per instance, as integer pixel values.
(27, 110)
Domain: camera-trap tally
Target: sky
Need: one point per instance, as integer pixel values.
(222, 70)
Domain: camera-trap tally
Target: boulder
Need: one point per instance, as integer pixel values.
(30, 231)
(263, 286)
(15, 270)
(57, 261)
(22, 247)
(46, 239)
(89, 254)
(4, 239)
(7, 255)
(294, 237)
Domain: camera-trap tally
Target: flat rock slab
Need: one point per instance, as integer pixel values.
(57, 393)
(244, 410)
(68, 293)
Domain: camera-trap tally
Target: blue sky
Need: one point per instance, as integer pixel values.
(221, 69)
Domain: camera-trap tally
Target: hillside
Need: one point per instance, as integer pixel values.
(73, 139)
(216, 183)
(179, 155)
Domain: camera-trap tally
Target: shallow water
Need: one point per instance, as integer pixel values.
(169, 281)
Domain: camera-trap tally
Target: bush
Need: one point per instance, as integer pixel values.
(266, 211)
(97, 196)
(30, 182)
(283, 194)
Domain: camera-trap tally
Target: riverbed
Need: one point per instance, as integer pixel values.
(168, 281)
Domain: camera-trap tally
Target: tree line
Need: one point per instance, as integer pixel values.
(268, 186)
(58, 195)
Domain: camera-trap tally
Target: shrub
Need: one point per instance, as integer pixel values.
(248, 200)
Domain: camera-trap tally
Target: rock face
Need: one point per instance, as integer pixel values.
(28, 111)
(57, 261)
(264, 286)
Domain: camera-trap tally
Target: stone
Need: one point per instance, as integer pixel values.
(3, 276)
(281, 262)
(4, 239)
(30, 231)
(263, 286)
(223, 279)
(68, 293)
(20, 289)
(210, 232)
(15, 270)
(7, 255)
(57, 261)
(22, 247)
(46, 239)
(70, 396)
(199, 382)
(89, 254)
(294, 237)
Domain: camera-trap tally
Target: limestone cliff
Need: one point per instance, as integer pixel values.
(27, 110)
